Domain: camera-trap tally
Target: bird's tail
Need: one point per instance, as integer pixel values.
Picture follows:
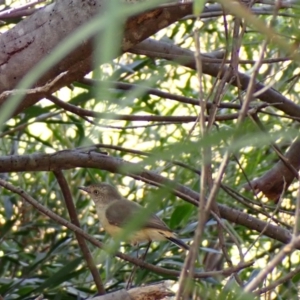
(179, 243)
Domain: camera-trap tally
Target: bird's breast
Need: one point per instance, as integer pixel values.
(138, 236)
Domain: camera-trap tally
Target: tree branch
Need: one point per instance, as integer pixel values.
(95, 242)
(280, 176)
(81, 241)
(68, 159)
(159, 49)
(31, 39)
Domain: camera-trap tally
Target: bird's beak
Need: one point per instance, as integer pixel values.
(84, 188)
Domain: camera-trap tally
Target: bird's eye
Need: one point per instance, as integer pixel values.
(96, 192)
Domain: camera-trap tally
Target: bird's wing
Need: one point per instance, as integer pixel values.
(121, 212)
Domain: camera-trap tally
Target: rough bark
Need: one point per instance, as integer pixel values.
(148, 292)
(159, 49)
(69, 159)
(23, 46)
(272, 183)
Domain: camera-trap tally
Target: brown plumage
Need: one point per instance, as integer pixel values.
(115, 212)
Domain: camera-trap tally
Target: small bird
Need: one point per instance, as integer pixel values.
(115, 212)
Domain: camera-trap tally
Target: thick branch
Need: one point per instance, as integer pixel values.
(69, 159)
(159, 49)
(280, 176)
(33, 38)
(99, 244)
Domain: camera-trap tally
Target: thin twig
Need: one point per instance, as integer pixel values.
(155, 92)
(268, 223)
(81, 241)
(260, 277)
(97, 243)
(36, 120)
(150, 118)
(12, 12)
(277, 282)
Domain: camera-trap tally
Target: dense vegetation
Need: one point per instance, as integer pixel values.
(168, 128)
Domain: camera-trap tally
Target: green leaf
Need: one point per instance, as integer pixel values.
(198, 6)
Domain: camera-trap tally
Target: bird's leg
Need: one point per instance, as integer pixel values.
(147, 249)
(129, 282)
(143, 257)
(130, 279)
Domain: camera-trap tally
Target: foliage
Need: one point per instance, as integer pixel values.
(40, 256)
